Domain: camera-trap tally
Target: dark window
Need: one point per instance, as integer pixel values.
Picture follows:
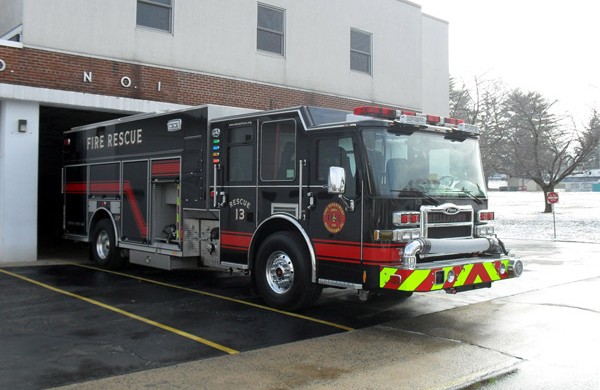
(360, 51)
(155, 14)
(278, 151)
(337, 152)
(241, 161)
(270, 35)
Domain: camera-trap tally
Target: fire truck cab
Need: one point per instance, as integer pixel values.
(301, 198)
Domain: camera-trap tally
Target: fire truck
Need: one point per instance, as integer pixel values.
(301, 198)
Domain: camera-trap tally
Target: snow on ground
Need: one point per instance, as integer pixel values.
(519, 215)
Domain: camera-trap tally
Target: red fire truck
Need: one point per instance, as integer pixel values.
(300, 198)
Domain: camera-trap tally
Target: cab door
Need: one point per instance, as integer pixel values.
(335, 219)
(234, 149)
(280, 152)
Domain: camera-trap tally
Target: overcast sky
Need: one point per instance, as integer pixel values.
(551, 46)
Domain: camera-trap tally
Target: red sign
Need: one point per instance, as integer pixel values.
(552, 197)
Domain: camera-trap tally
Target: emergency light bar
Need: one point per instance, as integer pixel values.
(412, 118)
(381, 112)
(468, 128)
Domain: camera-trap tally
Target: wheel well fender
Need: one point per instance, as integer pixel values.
(277, 223)
(100, 214)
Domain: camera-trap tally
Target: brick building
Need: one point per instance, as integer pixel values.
(65, 63)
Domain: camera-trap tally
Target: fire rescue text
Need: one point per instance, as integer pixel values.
(127, 137)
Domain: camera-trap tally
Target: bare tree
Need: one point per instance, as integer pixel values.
(521, 136)
(542, 147)
(492, 120)
(483, 105)
(463, 102)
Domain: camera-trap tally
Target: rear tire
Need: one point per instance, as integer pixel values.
(103, 246)
(283, 273)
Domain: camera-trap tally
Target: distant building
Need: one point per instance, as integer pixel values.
(520, 184)
(67, 63)
(583, 181)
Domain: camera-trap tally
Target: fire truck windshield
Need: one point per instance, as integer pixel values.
(423, 164)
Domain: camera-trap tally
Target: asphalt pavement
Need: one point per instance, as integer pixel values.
(535, 332)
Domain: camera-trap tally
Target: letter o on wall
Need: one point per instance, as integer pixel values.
(125, 81)
(2, 65)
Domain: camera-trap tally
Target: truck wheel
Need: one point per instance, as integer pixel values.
(103, 245)
(283, 273)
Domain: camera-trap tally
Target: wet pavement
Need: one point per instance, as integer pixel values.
(538, 331)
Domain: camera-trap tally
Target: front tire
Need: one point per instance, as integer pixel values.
(103, 245)
(283, 273)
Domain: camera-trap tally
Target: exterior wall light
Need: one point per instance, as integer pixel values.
(22, 126)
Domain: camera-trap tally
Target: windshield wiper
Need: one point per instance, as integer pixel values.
(470, 195)
(420, 193)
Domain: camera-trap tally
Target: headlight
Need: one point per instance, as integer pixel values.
(406, 235)
(484, 230)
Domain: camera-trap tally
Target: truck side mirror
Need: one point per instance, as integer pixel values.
(336, 182)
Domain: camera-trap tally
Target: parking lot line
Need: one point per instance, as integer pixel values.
(126, 313)
(287, 313)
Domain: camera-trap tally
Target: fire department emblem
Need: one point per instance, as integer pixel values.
(334, 218)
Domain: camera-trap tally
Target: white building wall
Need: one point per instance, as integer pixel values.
(436, 83)
(11, 15)
(219, 37)
(18, 181)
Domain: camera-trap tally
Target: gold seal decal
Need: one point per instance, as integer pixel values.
(334, 218)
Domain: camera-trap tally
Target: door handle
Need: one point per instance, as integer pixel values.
(223, 197)
(311, 201)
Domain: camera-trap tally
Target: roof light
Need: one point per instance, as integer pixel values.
(402, 116)
(380, 112)
(450, 121)
(413, 119)
(433, 119)
(468, 128)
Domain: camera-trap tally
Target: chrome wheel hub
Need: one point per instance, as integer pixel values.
(280, 272)
(103, 245)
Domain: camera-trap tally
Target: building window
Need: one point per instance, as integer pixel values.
(270, 35)
(155, 14)
(361, 51)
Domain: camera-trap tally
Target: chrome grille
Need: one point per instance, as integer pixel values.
(447, 221)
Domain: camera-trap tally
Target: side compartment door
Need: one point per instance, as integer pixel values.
(336, 219)
(234, 161)
(75, 188)
(135, 202)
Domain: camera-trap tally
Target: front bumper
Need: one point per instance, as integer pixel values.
(451, 276)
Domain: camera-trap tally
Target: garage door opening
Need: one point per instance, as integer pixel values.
(54, 121)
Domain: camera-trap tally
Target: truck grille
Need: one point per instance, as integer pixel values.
(447, 221)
